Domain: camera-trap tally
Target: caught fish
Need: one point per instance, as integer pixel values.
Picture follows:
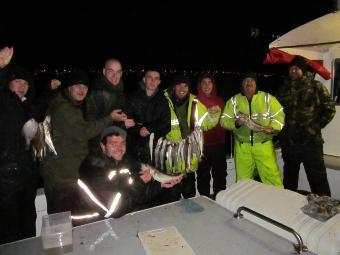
(248, 122)
(151, 138)
(157, 151)
(38, 143)
(47, 131)
(29, 130)
(189, 155)
(169, 156)
(159, 176)
(43, 139)
(162, 154)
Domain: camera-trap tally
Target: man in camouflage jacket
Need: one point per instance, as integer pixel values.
(308, 108)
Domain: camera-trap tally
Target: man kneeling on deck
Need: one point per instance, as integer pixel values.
(111, 184)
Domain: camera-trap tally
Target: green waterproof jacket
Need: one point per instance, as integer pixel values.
(199, 117)
(307, 104)
(70, 135)
(264, 109)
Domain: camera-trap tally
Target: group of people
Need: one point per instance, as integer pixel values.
(103, 160)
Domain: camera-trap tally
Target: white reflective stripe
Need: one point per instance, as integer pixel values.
(278, 122)
(234, 103)
(257, 116)
(267, 97)
(196, 114)
(124, 171)
(86, 216)
(113, 205)
(200, 121)
(90, 194)
(272, 116)
(174, 122)
(112, 174)
(130, 181)
(226, 115)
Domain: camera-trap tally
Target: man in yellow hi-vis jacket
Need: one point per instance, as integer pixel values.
(254, 117)
(186, 113)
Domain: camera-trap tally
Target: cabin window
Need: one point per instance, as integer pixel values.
(336, 81)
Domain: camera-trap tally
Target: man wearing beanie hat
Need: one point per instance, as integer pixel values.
(18, 178)
(309, 108)
(187, 112)
(254, 117)
(70, 133)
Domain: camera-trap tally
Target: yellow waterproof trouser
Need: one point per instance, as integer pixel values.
(259, 156)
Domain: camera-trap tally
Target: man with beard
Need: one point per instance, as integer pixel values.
(309, 108)
(186, 112)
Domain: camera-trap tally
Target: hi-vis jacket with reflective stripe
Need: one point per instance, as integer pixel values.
(264, 109)
(202, 118)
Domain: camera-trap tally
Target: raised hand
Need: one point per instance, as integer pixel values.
(55, 84)
(6, 56)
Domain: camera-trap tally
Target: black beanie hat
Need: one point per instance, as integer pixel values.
(300, 62)
(78, 77)
(248, 75)
(20, 73)
(178, 79)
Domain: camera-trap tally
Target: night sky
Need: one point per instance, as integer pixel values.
(200, 35)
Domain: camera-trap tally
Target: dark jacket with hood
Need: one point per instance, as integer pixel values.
(151, 112)
(18, 178)
(15, 159)
(70, 135)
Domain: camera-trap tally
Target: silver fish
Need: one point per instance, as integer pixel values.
(151, 138)
(38, 143)
(248, 122)
(47, 131)
(159, 176)
(169, 156)
(162, 154)
(199, 138)
(189, 155)
(157, 151)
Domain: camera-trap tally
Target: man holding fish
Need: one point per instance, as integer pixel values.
(254, 117)
(112, 184)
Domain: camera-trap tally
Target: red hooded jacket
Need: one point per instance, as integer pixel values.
(216, 135)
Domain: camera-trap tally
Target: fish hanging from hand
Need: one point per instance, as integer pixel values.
(43, 140)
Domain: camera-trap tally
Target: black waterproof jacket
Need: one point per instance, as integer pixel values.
(150, 112)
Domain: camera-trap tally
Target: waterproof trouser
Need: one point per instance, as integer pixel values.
(311, 155)
(213, 164)
(260, 156)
